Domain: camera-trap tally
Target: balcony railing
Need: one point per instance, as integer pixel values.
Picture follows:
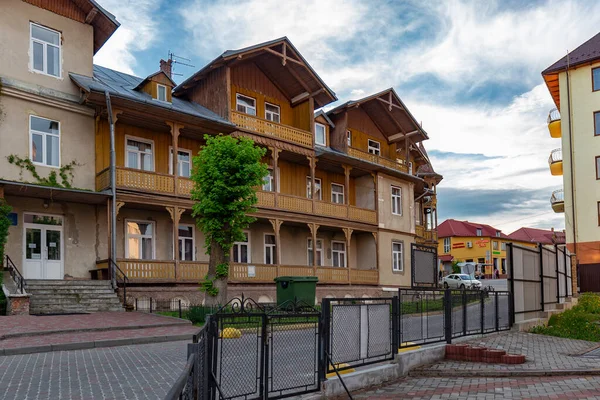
(554, 124)
(398, 165)
(270, 128)
(425, 235)
(194, 271)
(555, 162)
(557, 200)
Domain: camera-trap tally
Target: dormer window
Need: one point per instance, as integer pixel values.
(374, 147)
(320, 134)
(244, 104)
(497, 233)
(45, 50)
(349, 138)
(478, 232)
(161, 93)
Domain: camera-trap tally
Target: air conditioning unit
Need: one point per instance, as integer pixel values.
(469, 245)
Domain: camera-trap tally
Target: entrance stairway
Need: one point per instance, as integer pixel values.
(73, 296)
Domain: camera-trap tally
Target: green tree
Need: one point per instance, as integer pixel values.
(5, 209)
(226, 173)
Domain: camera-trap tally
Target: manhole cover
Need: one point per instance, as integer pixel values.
(593, 353)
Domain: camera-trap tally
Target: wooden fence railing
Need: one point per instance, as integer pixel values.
(375, 159)
(270, 128)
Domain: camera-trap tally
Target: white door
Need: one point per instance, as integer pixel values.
(43, 255)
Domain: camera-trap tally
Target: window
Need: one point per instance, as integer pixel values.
(139, 154)
(349, 138)
(495, 245)
(373, 147)
(44, 137)
(241, 253)
(338, 253)
(245, 104)
(503, 263)
(597, 123)
(268, 182)
(478, 232)
(498, 233)
(597, 167)
(186, 242)
(320, 134)
(337, 193)
(447, 245)
(396, 200)
(272, 112)
(317, 188)
(45, 50)
(397, 259)
(184, 162)
(161, 92)
(319, 252)
(270, 249)
(595, 79)
(503, 246)
(139, 240)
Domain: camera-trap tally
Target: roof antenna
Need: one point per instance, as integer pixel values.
(175, 59)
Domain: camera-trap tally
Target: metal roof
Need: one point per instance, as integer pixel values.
(588, 51)
(122, 85)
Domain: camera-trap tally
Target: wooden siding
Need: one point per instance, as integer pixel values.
(293, 181)
(152, 89)
(363, 128)
(212, 92)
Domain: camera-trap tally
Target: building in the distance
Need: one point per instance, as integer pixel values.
(534, 237)
(574, 83)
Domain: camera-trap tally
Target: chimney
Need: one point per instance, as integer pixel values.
(165, 66)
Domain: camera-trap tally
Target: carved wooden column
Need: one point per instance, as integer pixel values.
(348, 235)
(313, 166)
(376, 193)
(377, 257)
(276, 223)
(313, 231)
(175, 130)
(175, 213)
(347, 170)
(275, 155)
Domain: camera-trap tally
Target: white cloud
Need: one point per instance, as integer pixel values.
(139, 29)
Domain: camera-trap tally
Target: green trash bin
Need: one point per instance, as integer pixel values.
(296, 288)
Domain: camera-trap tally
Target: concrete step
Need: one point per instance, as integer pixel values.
(46, 291)
(76, 295)
(71, 310)
(59, 282)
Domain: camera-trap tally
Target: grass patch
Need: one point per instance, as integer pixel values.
(581, 322)
(431, 305)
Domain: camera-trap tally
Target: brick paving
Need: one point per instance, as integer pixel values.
(128, 372)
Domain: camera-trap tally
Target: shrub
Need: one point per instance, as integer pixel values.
(590, 303)
(575, 323)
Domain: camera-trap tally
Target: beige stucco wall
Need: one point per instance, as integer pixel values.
(388, 277)
(584, 102)
(76, 47)
(80, 231)
(387, 220)
(76, 140)
(365, 192)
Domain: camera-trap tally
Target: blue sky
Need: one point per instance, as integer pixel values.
(468, 69)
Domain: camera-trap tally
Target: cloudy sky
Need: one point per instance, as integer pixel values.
(468, 69)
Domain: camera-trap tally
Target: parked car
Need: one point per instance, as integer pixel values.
(461, 281)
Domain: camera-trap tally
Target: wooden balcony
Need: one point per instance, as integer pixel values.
(425, 236)
(140, 271)
(269, 128)
(398, 165)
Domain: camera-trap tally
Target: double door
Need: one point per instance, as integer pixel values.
(43, 252)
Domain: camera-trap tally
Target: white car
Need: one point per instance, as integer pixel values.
(461, 281)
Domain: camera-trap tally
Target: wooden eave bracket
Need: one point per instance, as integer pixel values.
(91, 15)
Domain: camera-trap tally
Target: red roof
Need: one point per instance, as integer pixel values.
(533, 235)
(452, 227)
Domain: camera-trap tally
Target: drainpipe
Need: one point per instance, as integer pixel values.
(572, 169)
(113, 205)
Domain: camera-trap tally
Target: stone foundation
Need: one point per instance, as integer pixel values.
(16, 304)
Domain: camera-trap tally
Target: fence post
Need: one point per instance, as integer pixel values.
(150, 305)
(482, 310)
(557, 275)
(264, 360)
(567, 273)
(496, 312)
(464, 311)
(448, 315)
(541, 248)
(512, 285)
(136, 305)
(180, 308)
(395, 327)
(324, 337)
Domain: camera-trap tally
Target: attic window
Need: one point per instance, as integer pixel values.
(161, 93)
(478, 232)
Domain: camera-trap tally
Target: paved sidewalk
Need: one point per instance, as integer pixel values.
(128, 372)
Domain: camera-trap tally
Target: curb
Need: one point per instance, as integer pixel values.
(96, 344)
(503, 373)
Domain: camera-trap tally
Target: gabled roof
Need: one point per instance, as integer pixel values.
(584, 54)
(389, 114)
(87, 12)
(123, 85)
(533, 235)
(321, 113)
(149, 77)
(280, 61)
(452, 227)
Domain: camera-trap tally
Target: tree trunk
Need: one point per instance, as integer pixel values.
(217, 256)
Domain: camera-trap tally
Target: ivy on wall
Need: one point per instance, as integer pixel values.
(65, 172)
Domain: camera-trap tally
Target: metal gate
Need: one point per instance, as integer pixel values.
(424, 266)
(264, 353)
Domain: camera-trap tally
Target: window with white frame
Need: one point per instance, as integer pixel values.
(139, 154)
(186, 242)
(498, 233)
(184, 162)
(320, 134)
(396, 200)
(447, 245)
(478, 232)
(270, 249)
(319, 251)
(338, 254)
(44, 137)
(241, 250)
(337, 193)
(272, 112)
(45, 50)
(373, 147)
(503, 246)
(495, 245)
(245, 104)
(349, 137)
(161, 92)
(317, 188)
(397, 259)
(268, 182)
(139, 236)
